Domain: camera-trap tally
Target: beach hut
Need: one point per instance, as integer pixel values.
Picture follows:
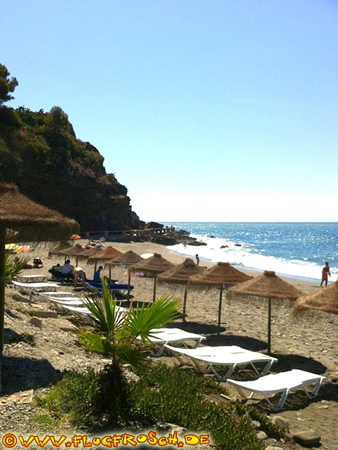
(154, 265)
(180, 275)
(268, 286)
(105, 254)
(23, 220)
(221, 275)
(322, 300)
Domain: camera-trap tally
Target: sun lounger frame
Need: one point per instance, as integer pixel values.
(210, 359)
(293, 380)
(164, 336)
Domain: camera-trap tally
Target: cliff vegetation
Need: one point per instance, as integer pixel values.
(41, 154)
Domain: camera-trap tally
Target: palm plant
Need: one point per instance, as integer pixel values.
(116, 329)
(13, 267)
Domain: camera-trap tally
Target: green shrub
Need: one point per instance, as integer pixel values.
(162, 394)
(89, 400)
(172, 395)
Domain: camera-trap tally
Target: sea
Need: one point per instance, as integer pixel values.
(297, 250)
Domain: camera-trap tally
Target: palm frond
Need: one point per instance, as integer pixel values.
(158, 314)
(129, 354)
(94, 342)
(13, 268)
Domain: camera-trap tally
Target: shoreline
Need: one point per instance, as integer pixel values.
(303, 283)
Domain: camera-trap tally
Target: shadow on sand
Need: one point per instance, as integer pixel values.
(21, 374)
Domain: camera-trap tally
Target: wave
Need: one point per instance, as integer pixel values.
(247, 256)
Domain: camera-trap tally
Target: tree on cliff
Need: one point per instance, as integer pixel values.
(7, 85)
(37, 148)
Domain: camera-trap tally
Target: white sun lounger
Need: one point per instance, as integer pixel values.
(34, 287)
(163, 336)
(281, 383)
(216, 359)
(85, 310)
(58, 294)
(77, 309)
(70, 301)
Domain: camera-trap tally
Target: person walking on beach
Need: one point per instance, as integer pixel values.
(197, 260)
(325, 274)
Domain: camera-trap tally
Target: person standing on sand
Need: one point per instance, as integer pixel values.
(197, 260)
(325, 274)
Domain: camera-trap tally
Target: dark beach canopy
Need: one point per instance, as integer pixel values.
(125, 259)
(105, 254)
(223, 274)
(89, 253)
(60, 249)
(324, 299)
(267, 286)
(155, 265)
(31, 221)
(74, 251)
(180, 275)
(26, 221)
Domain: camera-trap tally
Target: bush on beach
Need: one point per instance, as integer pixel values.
(94, 401)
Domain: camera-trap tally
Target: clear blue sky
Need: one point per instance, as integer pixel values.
(207, 110)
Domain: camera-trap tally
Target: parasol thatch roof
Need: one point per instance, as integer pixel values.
(180, 274)
(156, 264)
(221, 274)
(324, 299)
(60, 249)
(105, 254)
(31, 221)
(89, 253)
(125, 259)
(268, 285)
(73, 251)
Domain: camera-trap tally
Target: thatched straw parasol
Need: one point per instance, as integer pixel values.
(74, 251)
(89, 253)
(30, 222)
(267, 286)
(59, 249)
(324, 299)
(126, 259)
(154, 265)
(222, 275)
(180, 275)
(105, 254)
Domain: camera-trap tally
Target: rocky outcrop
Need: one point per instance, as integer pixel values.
(39, 152)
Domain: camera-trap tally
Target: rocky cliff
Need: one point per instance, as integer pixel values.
(40, 153)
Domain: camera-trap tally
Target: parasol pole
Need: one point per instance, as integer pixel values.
(220, 309)
(2, 292)
(185, 301)
(155, 283)
(128, 283)
(269, 325)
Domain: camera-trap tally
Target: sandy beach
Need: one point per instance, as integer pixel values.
(308, 343)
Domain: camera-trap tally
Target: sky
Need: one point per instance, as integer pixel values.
(206, 110)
